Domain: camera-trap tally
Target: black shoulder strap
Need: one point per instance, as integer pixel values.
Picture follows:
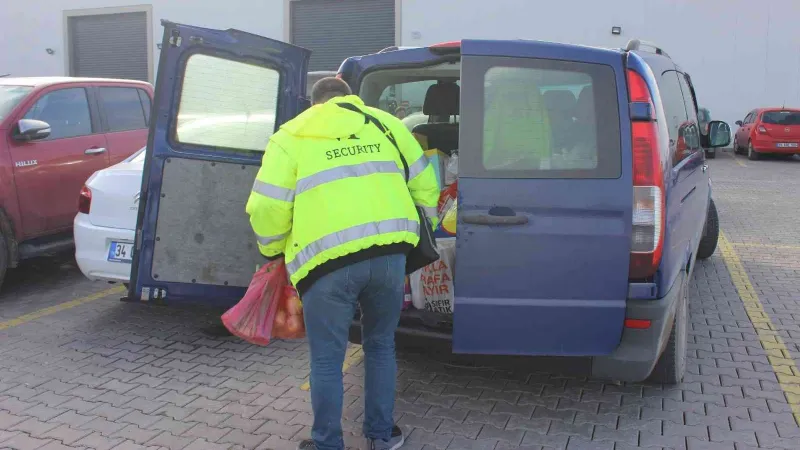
(368, 118)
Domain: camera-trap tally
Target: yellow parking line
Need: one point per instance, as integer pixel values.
(351, 360)
(60, 307)
(781, 247)
(739, 162)
(778, 355)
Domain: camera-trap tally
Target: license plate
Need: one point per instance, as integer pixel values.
(120, 252)
(787, 145)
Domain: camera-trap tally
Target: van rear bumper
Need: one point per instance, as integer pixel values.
(633, 360)
(639, 350)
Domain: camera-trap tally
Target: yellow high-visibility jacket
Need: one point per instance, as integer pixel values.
(331, 191)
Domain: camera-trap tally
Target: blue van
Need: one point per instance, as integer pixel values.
(584, 195)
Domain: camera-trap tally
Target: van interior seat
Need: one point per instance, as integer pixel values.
(584, 122)
(561, 108)
(441, 103)
(516, 129)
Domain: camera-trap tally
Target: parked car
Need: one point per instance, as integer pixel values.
(583, 248)
(768, 130)
(104, 226)
(56, 133)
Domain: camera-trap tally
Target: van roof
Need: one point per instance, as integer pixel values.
(47, 81)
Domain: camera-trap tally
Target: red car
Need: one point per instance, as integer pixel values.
(768, 130)
(54, 134)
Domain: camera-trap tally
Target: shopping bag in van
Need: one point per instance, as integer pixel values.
(432, 286)
(252, 318)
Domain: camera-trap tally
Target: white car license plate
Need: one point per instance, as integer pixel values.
(120, 252)
(787, 144)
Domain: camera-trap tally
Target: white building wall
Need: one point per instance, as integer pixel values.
(29, 27)
(740, 54)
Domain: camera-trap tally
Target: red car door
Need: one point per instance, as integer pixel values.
(741, 133)
(125, 115)
(748, 127)
(49, 172)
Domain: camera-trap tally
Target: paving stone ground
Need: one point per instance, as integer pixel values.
(112, 375)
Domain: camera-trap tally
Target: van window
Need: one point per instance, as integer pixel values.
(540, 119)
(227, 104)
(674, 110)
(689, 137)
(402, 92)
(405, 100)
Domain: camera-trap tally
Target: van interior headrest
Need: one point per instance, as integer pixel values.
(442, 99)
(559, 100)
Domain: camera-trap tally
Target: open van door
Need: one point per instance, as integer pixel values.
(545, 200)
(220, 95)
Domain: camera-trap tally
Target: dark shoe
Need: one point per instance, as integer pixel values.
(393, 443)
(307, 444)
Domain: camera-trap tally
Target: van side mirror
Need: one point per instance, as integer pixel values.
(719, 134)
(739, 122)
(31, 130)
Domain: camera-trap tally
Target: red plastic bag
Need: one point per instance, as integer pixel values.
(289, 316)
(253, 317)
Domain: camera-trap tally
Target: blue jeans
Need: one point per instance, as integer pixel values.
(329, 306)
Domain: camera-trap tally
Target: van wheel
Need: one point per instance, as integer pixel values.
(708, 243)
(671, 365)
(752, 154)
(3, 258)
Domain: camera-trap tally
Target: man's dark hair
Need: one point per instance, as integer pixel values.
(328, 88)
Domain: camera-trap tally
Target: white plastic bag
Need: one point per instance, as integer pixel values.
(451, 171)
(432, 286)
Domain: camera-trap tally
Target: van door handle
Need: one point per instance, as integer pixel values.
(94, 151)
(687, 195)
(488, 219)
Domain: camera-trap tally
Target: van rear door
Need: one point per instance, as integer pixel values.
(220, 94)
(545, 200)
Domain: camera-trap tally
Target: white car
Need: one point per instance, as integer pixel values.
(105, 226)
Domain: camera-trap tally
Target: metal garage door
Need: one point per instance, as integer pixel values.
(109, 45)
(336, 29)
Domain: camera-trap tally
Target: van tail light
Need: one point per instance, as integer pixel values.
(85, 200)
(762, 129)
(647, 237)
(637, 324)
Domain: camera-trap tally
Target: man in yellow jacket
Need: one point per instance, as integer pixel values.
(332, 198)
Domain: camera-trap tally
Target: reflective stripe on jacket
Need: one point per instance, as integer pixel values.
(332, 187)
